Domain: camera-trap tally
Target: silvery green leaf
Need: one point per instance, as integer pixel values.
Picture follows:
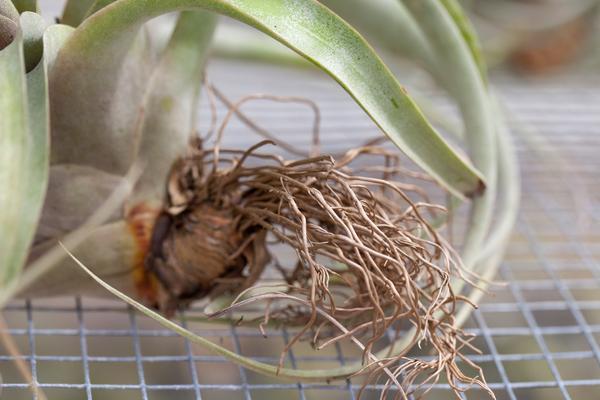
(111, 249)
(15, 146)
(95, 102)
(74, 193)
(171, 102)
(465, 82)
(99, 49)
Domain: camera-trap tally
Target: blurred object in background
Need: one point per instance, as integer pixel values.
(537, 36)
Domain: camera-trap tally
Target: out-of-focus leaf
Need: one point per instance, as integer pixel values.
(26, 5)
(24, 145)
(99, 47)
(465, 82)
(468, 33)
(387, 24)
(46, 261)
(103, 93)
(250, 363)
(74, 193)
(97, 6)
(171, 101)
(15, 144)
(75, 11)
(54, 38)
(111, 249)
(35, 169)
(33, 26)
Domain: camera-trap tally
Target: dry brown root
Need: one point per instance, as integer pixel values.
(367, 259)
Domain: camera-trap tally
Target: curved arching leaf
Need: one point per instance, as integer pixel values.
(467, 87)
(468, 33)
(102, 42)
(387, 24)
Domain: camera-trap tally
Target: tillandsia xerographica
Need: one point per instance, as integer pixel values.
(99, 151)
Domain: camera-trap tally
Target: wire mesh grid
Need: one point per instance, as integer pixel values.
(539, 333)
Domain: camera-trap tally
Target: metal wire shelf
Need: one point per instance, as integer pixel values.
(539, 334)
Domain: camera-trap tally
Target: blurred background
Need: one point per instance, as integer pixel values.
(538, 331)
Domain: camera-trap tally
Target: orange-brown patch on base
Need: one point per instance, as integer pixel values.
(140, 220)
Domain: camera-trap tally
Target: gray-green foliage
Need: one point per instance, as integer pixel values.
(112, 96)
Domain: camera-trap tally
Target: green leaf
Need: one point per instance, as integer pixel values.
(96, 101)
(33, 26)
(48, 259)
(74, 193)
(24, 140)
(15, 144)
(26, 5)
(386, 24)
(170, 107)
(35, 175)
(468, 33)
(110, 248)
(464, 81)
(249, 363)
(97, 6)
(101, 43)
(240, 43)
(75, 11)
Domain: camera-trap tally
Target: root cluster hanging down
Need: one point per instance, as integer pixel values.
(368, 261)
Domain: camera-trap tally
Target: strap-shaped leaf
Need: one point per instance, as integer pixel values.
(24, 142)
(35, 174)
(386, 24)
(15, 144)
(170, 106)
(468, 32)
(303, 25)
(468, 88)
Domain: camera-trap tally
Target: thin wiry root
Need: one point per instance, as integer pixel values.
(367, 259)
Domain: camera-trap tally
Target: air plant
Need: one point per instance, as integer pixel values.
(99, 152)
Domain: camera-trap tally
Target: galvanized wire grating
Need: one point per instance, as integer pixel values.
(539, 334)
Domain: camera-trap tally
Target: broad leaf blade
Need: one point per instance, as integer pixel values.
(95, 103)
(170, 107)
(303, 25)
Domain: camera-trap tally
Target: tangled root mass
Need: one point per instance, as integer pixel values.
(368, 261)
